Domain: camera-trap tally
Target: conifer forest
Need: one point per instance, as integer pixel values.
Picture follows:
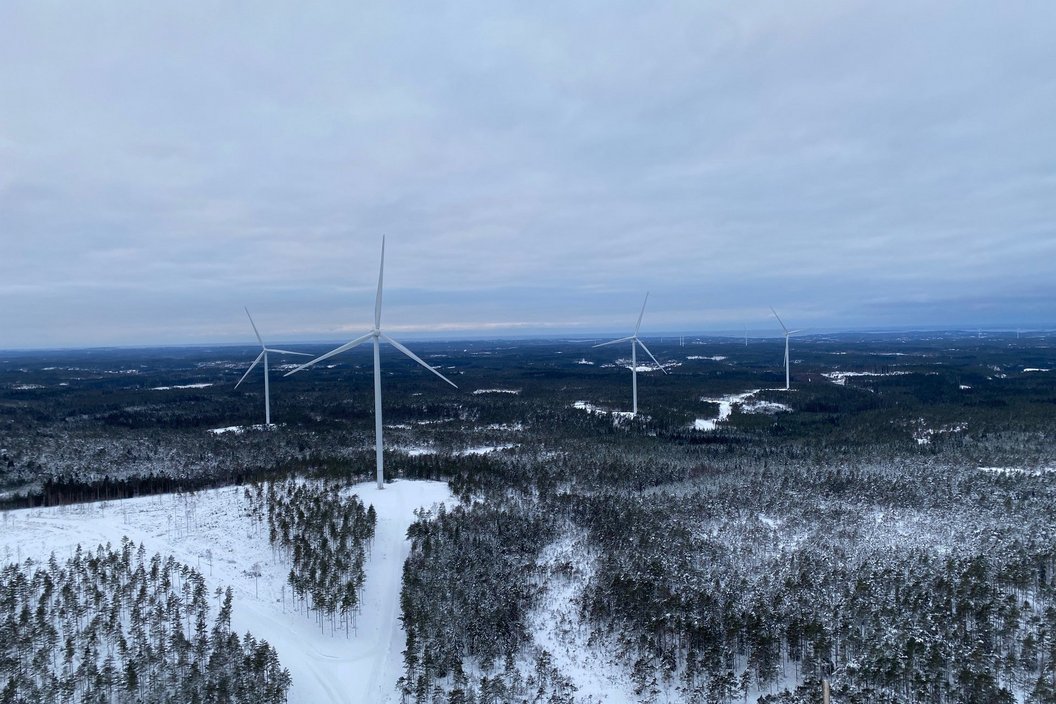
(885, 525)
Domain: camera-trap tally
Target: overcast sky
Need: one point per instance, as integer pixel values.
(536, 167)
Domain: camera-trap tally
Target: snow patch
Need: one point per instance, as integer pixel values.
(239, 429)
(713, 358)
(478, 392)
(617, 416)
(556, 627)
(923, 434)
(726, 404)
(1035, 369)
(180, 386)
(485, 449)
(841, 377)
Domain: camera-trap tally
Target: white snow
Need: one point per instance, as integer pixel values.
(923, 434)
(965, 387)
(713, 358)
(841, 377)
(485, 449)
(585, 361)
(1035, 369)
(1022, 471)
(180, 386)
(617, 416)
(416, 451)
(326, 669)
(26, 387)
(478, 392)
(239, 429)
(506, 427)
(726, 404)
(556, 627)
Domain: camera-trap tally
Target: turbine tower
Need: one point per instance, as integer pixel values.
(264, 356)
(633, 339)
(788, 334)
(377, 335)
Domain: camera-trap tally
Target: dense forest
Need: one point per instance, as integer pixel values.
(886, 524)
(112, 625)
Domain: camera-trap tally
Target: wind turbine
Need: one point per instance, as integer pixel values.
(633, 339)
(788, 334)
(264, 356)
(377, 335)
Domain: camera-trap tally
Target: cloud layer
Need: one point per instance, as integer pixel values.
(535, 167)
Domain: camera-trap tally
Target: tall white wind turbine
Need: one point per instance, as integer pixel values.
(633, 339)
(264, 356)
(377, 335)
(788, 334)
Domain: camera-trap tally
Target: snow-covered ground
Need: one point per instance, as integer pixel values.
(726, 404)
(617, 416)
(210, 530)
(841, 377)
(923, 434)
(181, 386)
(239, 429)
(556, 627)
(478, 392)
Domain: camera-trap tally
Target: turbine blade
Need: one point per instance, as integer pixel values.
(779, 319)
(381, 276)
(416, 358)
(254, 326)
(299, 354)
(613, 342)
(639, 323)
(331, 353)
(651, 355)
(251, 366)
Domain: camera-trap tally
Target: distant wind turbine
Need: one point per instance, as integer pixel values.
(264, 356)
(377, 336)
(633, 339)
(788, 334)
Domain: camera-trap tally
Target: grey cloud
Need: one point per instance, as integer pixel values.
(560, 158)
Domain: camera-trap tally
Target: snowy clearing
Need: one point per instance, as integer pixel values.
(557, 628)
(180, 386)
(239, 429)
(617, 416)
(478, 392)
(585, 361)
(841, 377)
(726, 404)
(1035, 369)
(713, 358)
(211, 531)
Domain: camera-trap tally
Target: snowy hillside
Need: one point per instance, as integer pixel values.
(212, 531)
